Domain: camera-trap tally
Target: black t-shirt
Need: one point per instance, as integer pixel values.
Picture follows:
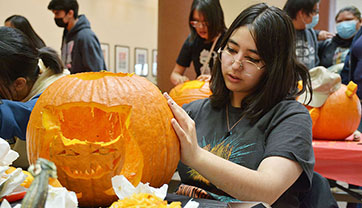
(197, 51)
(286, 131)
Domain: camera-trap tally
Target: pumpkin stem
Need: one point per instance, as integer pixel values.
(351, 89)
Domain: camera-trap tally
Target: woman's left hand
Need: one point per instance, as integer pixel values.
(185, 129)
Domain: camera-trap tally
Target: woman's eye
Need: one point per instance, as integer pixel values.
(253, 60)
(231, 50)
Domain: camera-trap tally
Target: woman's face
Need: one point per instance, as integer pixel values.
(200, 24)
(348, 16)
(241, 65)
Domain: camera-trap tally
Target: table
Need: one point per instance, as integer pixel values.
(339, 160)
(208, 203)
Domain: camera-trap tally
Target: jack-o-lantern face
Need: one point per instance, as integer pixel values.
(102, 129)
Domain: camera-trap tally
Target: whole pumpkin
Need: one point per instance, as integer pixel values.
(96, 125)
(190, 91)
(339, 116)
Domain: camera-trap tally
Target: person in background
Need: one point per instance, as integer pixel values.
(207, 25)
(333, 51)
(305, 16)
(21, 23)
(250, 140)
(81, 50)
(25, 72)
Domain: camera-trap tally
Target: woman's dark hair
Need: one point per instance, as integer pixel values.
(21, 23)
(213, 14)
(274, 36)
(65, 5)
(354, 10)
(19, 58)
(292, 7)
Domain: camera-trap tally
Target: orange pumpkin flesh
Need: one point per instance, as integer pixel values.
(339, 116)
(190, 91)
(94, 126)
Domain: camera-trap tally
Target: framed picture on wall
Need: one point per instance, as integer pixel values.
(141, 61)
(105, 50)
(121, 57)
(154, 62)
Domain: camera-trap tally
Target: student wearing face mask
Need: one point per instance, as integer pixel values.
(332, 52)
(305, 16)
(81, 50)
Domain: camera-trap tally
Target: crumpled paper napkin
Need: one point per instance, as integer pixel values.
(123, 188)
(7, 155)
(9, 183)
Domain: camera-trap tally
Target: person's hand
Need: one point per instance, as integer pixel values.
(324, 35)
(185, 130)
(178, 79)
(204, 77)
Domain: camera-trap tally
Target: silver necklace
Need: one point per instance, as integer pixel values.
(227, 122)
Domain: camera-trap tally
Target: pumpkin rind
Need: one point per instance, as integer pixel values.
(190, 91)
(101, 124)
(339, 116)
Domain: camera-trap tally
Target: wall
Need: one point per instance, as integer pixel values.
(116, 22)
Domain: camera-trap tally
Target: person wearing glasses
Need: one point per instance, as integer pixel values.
(250, 140)
(305, 16)
(206, 22)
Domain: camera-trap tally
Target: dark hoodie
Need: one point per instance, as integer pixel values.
(81, 50)
(327, 49)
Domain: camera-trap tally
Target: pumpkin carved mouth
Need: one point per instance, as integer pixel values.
(88, 134)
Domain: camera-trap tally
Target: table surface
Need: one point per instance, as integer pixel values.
(339, 160)
(208, 203)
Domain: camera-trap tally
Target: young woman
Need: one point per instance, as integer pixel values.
(21, 23)
(206, 22)
(251, 140)
(25, 72)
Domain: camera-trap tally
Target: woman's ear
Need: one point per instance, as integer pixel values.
(20, 84)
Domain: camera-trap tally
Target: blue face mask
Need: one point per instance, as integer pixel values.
(313, 23)
(347, 29)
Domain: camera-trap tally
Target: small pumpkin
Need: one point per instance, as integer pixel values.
(96, 125)
(339, 116)
(190, 91)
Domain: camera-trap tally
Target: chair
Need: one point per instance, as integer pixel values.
(320, 195)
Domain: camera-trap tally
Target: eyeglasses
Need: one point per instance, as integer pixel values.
(198, 24)
(244, 64)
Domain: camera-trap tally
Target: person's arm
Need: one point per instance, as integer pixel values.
(266, 184)
(177, 76)
(14, 117)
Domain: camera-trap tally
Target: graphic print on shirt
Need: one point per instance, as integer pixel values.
(227, 148)
(305, 53)
(203, 60)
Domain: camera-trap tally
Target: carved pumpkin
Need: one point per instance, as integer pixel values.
(190, 91)
(339, 116)
(94, 126)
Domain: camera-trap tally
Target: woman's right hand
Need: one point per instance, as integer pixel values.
(185, 129)
(177, 76)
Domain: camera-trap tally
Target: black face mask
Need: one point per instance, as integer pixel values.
(60, 23)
